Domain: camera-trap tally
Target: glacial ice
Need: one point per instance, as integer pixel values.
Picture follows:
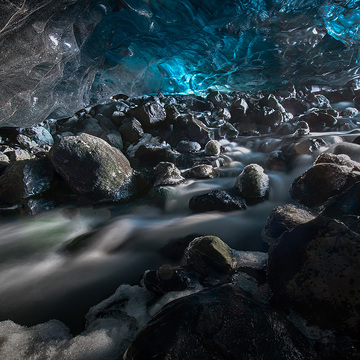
(58, 57)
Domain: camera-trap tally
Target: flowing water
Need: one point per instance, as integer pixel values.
(42, 277)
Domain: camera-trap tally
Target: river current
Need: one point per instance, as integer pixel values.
(41, 279)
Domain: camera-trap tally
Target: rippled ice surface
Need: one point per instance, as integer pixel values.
(56, 59)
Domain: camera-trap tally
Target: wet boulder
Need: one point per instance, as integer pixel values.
(322, 181)
(216, 200)
(202, 171)
(318, 121)
(253, 184)
(151, 155)
(131, 130)
(167, 173)
(39, 134)
(212, 148)
(149, 114)
(284, 218)
(219, 323)
(315, 269)
(210, 256)
(91, 167)
(346, 203)
(4, 161)
(341, 159)
(188, 147)
(295, 106)
(197, 131)
(24, 179)
(228, 131)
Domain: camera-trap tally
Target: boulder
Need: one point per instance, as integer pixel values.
(217, 200)
(284, 218)
(131, 130)
(197, 131)
(315, 269)
(188, 147)
(212, 148)
(167, 174)
(228, 131)
(151, 155)
(322, 181)
(219, 323)
(149, 114)
(346, 203)
(203, 171)
(253, 184)
(92, 167)
(25, 178)
(210, 256)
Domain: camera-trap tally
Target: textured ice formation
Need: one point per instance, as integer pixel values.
(57, 57)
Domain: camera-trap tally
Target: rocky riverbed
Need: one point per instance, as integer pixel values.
(229, 226)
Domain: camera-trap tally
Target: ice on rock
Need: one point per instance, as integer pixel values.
(111, 326)
(58, 57)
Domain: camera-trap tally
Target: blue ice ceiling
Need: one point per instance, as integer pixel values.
(57, 59)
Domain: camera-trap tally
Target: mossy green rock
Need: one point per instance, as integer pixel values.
(210, 256)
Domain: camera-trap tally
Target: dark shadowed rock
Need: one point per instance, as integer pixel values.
(131, 130)
(25, 178)
(150, 155)
(149, 114)
(253, 184)
(318, 121)
(187, 147)
(315, 269)
(228, 131)
(217, 200)
(284, 218)
(165, 279)
(90, 166)
(321, 182)
(295, 106)
(347, 203)
(197, 131)
(220, 323)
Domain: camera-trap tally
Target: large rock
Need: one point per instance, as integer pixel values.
(149, 114)
(220, 323)
(284, 218)
(253, 184)
(347, 203)
(321, 182)
(216, 200)
(91, 167)
(210, 256)
(25, 178)
(167, 174)
(315, 269)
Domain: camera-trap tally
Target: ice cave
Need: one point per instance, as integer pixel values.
(178, 179)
